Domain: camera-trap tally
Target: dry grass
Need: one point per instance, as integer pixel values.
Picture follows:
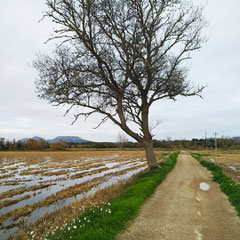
(228, 158)
(65, 193)
(124, 171)
(76, 189)
(79, 175)
(55, 173)
(97, 171)
(224, 159)
(88, 173)
(12, 168)
(27, 172)
(12, 192)
(58, 219)
(16, 213)
(7, 175)
(19, 222)
(9, 202)
(12, 183)
(61, 157)
(21, 190)
(63, 163)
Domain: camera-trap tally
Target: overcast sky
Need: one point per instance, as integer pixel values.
(217, 64)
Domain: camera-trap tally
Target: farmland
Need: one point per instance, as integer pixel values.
(40, 190)
(228, 160)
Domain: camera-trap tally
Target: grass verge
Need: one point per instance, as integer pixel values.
(228, 186)
(104, 222)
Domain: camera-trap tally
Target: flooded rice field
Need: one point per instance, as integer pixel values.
(228, 161)
(33, 184)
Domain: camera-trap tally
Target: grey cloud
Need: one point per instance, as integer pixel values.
(216, 64)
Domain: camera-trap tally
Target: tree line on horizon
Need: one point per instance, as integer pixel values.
(31, 144)
(42, 145)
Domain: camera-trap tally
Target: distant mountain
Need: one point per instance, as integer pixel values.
(35, 138)
(70, 139)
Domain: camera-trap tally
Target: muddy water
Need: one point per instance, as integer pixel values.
(59, 182)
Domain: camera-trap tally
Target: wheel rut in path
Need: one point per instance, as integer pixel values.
(181, 210)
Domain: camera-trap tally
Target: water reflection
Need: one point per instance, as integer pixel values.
(81, 166)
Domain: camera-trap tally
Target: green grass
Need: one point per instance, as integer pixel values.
(159, 155)
(228, 186)
(165, 154)
(104, 222)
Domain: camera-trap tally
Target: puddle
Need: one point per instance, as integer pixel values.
(204, 186)
(233, 168)
(4, 234)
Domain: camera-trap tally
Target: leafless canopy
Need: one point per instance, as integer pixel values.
(117, 57)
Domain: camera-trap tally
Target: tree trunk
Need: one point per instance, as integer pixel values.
(151, 160)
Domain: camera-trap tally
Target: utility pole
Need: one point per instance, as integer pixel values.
(215, 134)
(206, 140)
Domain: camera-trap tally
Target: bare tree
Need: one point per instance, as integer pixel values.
(118, 57)
(122, 139)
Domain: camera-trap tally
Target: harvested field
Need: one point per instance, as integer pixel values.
(229, 161)
(38, 184)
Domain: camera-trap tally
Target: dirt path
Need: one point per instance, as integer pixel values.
(180, 210)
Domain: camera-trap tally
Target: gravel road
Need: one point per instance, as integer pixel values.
(181, 210)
